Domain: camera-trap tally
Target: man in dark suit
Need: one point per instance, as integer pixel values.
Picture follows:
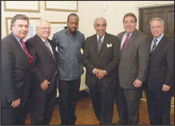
(101, 58)
(134, 59)
(15, 73)
(44, 74)
(160, 77)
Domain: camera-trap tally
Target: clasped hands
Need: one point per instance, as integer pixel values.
(99, 73)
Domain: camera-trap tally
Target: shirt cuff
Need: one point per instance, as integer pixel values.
(94, 71)
(105, 72)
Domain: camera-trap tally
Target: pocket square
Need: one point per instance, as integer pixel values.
(109, 45)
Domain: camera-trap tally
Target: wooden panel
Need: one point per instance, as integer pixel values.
(164, 12)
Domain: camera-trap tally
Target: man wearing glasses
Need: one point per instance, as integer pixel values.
(44, 74)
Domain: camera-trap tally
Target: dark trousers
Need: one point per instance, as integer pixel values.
(159, 104)
(128, 101)
(42, 107)
(14, 116)
(68, 94)
(103, 103)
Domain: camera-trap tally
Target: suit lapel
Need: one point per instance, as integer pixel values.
(104, 47)
(159, 47)
(130, 41)
(104, 43)
(95, 44)
(20, 48)
(43, 46)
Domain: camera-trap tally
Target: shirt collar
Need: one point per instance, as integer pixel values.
(16, 37)
(41, 38)
(159, 38)
(102, 38)
(127, 33)
(67, 32)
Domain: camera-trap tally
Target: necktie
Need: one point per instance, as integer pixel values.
(48, 46)
(154, 46)
(25, 50)
(99, 44)
(127, 37)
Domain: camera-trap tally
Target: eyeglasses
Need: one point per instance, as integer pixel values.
(45, 28)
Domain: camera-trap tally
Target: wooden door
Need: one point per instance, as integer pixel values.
(164, 12)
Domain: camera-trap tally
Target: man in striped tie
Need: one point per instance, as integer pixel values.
(160, 77)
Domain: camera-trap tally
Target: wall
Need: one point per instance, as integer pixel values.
(113, 11)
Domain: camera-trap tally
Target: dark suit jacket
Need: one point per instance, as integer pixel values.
(134, 59)
(44, 64)
(161, 66)
(15, 72)
(107, 59)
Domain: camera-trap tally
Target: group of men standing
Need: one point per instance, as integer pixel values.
(116, 68)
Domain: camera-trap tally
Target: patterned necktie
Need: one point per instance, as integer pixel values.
(48, 46)
(127, 37)
(154, 46)
(25, 50)
(99, 44)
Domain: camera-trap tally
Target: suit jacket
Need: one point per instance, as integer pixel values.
(161, 66)
(107, 59)
(134, 59)
(15, 72)
(44, 64)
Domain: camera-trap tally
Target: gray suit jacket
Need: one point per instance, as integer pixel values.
(134, 59)
(161, 66)
(107, 59)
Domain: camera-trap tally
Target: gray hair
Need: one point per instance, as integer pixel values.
(98, 19)
(38, 23)
(157, 19)
(18, 17)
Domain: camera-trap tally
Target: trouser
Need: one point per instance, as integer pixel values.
(68, 94)
(103, 103)
(42, 107)
(128, 101)
(159, 104)
(14, 116)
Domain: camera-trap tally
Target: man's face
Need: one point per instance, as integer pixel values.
(72, 24)
(129, 24)
(44, 30)
(20, 28)
(100, 27)
(157, 28)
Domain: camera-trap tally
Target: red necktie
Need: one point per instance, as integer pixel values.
(25, 50)
(125, 42)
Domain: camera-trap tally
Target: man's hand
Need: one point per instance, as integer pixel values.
(165, 87)
(137, 83)
(45, 85)
(16, 103)
(100, 74)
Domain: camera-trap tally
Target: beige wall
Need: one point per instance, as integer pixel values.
(113, 11)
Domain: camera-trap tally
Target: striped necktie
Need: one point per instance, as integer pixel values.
(154, 46)
(99, 44)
